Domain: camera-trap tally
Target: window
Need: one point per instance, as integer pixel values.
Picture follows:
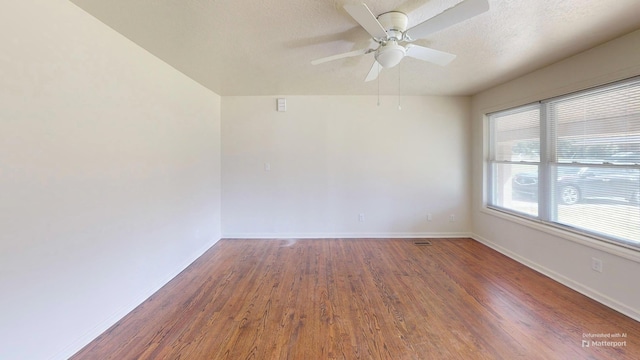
(515, 158)
(571, 161)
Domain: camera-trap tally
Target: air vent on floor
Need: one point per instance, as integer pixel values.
(422, 243)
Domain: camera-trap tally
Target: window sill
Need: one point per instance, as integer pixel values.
(594, 242)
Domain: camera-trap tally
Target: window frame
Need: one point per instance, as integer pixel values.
(548, 165)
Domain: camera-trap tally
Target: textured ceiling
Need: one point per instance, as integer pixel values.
(242, 47)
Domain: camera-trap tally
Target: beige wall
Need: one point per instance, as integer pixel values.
(334, 157)
(109, 177)
(564, 257)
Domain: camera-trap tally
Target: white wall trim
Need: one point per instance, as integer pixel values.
(570, 283)
(392, 235)
(92, 333)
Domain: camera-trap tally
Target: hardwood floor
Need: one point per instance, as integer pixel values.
(363, 299)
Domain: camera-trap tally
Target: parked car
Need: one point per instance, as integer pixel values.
(576, 184)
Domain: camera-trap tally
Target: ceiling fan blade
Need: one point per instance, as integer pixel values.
(373, 73)
(340, 56)
(433, 56)
(461, 12)
(366, 19)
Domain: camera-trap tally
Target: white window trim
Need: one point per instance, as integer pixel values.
(539, 223)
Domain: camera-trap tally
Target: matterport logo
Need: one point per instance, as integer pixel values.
(604, 340)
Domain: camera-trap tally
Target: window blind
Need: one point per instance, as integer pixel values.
(515, 155)
(571, 161)
(596, 137)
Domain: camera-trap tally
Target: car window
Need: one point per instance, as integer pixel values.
(605, 172)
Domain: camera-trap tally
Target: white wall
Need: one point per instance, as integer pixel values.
(558, 254)
(109, 177)
(334, 157)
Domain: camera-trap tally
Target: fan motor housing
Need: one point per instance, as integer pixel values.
(395, 23)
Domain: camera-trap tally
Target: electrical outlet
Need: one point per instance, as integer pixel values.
(596, 265)
(452, 218)
(361, 217)
(429, 217)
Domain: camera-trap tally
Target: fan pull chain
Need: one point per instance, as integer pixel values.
(399, 105)
(378, 82)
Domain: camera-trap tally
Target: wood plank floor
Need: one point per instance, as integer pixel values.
(363, 299)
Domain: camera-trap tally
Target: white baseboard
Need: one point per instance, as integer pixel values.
(570, 283)
(393, 235)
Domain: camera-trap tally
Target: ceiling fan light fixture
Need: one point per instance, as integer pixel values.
(390, 54)
(389, 31)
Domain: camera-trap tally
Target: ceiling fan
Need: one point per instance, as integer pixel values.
(392, 40)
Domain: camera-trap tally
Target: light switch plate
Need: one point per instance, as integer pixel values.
(282, 104)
